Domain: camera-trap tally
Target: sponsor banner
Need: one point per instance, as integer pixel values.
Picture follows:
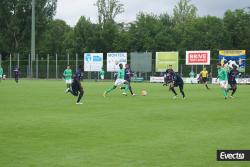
(238, 80)
(236, 57)
(156, 79)
(164, 59)
(198, 57)
(141, 62)
(194, 80)
(93, 61)
(114, 59)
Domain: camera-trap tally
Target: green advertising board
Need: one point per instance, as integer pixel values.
(164, 59)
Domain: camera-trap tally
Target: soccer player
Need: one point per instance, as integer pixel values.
(204, 76)
(1, 73)
(101, 74)
(191, 76)
(128, 75)
(16, 73)
(68, 76)
(119, 80)
(79, 73)
(175, 80)
(232, 81)
(76, 89)
(223, 79)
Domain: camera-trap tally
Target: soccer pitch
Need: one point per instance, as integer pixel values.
(41, 126)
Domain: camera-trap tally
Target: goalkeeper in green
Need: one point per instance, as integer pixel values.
(223, 79)
(119, 80)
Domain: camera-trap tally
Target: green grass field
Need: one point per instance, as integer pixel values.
(41, 126)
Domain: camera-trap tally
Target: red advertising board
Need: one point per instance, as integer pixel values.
(197, 57)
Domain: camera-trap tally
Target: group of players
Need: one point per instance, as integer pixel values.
(16, 74)
(171, 78)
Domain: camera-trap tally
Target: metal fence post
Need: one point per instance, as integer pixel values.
(36, 66)
(10, 67)
(56, 66)
(28, 71)
(68, 59)
(76, 61)
(18, 57)
(48, 66)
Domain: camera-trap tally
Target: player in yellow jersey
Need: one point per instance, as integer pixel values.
(204, 76)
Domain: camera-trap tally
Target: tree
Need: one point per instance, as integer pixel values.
(184, 11)
(237, 24)
(108, 10)
(52, 40)
(15, 21)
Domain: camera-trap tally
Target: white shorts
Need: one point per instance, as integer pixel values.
(102, 77)
(223, 84)
(68, 81)
(119, 82)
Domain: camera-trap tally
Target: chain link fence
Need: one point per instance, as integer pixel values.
(46, 67)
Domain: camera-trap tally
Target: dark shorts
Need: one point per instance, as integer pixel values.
(180, 84)
(233, 82)
(204, 79)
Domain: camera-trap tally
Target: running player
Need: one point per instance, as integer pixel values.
(128, 75)
(119, 80)
(232, 81)
(223, 79)
(76, 89)
(175, 80)
(68, 76)
(1, 73)
(204, 76)
(16, 73)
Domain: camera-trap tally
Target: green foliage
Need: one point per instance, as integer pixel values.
(182, 31)
(15, 18)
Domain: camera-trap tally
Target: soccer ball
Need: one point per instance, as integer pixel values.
(144, 93)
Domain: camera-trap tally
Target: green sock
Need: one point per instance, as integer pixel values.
(110, 89)
(224, 92)
(126, 89)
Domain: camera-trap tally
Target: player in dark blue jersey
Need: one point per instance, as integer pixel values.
(16, 73)
(174, 80)
(232, 81)
(79, 73)
(76, 89)
(127, 77)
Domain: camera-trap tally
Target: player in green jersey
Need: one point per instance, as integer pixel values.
(223, 79)
(119, 80)
(1, 73)
(68, 76)
(101, 74)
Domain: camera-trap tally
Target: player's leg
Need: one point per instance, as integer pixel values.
(181, 86)
(16, 78)
(126, 89)
(206, 84)
(234, 88)
(130, 89)
(117, 83)
(223, 85)
(171, 87)
(72, 92)
(80, 96)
